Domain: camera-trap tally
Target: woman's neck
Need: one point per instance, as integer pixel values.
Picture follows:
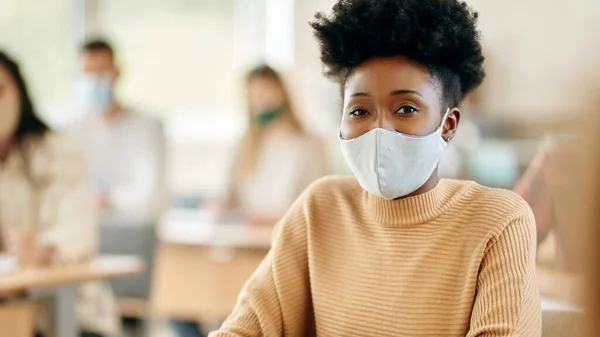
(5, 147)
(282, 126)
(113, 113)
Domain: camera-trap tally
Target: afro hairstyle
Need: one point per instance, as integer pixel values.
(441, 35)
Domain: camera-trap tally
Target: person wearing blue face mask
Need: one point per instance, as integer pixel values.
(112, 134)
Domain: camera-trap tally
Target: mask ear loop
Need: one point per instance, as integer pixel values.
(447, 139)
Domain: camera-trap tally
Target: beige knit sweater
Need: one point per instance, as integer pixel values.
(44, 187)
(458, 260)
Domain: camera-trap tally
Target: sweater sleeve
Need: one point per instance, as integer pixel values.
(276, 299)
(507, 301)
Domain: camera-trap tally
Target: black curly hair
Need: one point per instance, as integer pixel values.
(441, 35)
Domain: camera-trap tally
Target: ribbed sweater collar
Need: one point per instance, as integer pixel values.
(415, 210)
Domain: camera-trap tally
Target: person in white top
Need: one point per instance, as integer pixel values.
(276, 158)
(124, 149)
(47, 213)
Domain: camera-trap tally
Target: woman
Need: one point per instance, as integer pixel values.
(46, 210)
(396, 251)
(46, 205)
(271, 167)
(276, 160)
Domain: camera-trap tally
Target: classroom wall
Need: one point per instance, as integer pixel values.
(542, 54)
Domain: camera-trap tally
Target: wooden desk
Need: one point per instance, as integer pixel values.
(553, 305)
(200, 266)
(101, 268)
(196, 227)
(61, 281)
(560, 319)
(17, 318)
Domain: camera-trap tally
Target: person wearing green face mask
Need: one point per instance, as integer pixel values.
(266, 117)
(270, 168)
(275, 160)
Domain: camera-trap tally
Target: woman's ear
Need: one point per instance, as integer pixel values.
(450, 125)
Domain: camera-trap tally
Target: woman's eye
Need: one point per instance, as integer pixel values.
(358, 112)
(407, 109)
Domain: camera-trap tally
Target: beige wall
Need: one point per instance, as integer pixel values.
(318, 97)
(188, 57)
(42, 36)
(175, 56)
(542, 55)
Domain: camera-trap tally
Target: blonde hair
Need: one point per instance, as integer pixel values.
(250, 144)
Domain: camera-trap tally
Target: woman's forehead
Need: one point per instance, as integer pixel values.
(384, 75)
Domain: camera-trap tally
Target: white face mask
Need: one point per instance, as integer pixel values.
(390, 164)
(95, 92)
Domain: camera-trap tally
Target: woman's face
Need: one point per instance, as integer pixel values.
(397, 94)
(10, 105)
(264, 94)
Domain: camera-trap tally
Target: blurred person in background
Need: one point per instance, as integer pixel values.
(563, 188)
(547, 185)
(124, 148)
(46, 206)
(395, 250)
(277, 158)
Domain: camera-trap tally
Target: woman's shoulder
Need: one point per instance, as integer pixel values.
(323, 194)
(54, 152)
(503, 198)
(53, 143)
(334, 184)
(333, 187)
(498, 207)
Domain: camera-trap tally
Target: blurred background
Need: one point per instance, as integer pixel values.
(184, 62)
(185, 65)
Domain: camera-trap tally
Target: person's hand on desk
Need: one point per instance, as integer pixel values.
(29, 252)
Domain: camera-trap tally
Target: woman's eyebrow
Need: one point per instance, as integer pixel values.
(406, 91)
(395, 92)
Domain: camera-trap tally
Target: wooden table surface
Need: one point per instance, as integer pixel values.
(101, 268)
(201, 265)
(196, 227)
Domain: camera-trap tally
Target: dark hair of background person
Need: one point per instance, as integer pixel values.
(97, 44)
(440, 35)
(29, 122)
